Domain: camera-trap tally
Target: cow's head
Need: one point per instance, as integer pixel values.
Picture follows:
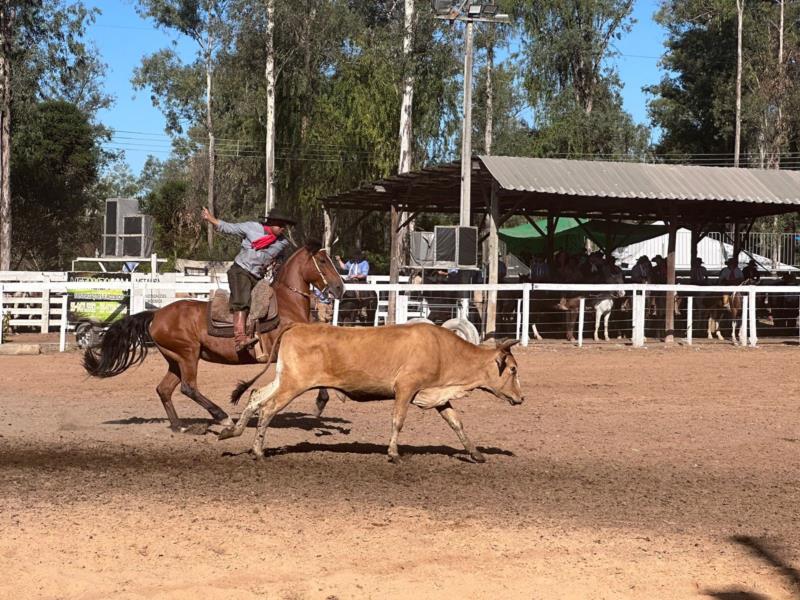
(503, 379)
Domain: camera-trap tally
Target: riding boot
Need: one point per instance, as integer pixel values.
(240, 339)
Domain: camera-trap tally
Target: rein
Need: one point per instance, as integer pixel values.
(306, 294)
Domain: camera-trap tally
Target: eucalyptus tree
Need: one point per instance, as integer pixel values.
(43, 56)
(206, 23)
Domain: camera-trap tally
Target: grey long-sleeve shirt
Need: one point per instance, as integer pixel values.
(254, 261)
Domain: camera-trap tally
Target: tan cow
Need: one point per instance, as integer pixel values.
(420, 363)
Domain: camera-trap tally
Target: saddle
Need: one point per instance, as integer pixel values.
(262, 318)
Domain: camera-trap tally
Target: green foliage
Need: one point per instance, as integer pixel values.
(54, 163)
(572, 89)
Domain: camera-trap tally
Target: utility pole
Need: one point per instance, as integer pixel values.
(466, 135)
(468, 11)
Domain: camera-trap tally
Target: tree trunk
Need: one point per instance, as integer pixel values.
(270, 138)
(7, 15)
(487, 134)
(211, 147)
(738, 133)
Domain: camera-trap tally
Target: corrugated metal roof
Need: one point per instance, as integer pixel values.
(640, 180)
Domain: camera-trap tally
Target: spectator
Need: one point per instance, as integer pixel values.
(699, 274)
(357, 267)
(540, 270)
(730, 275)
(642, 271)
(659, 272)
(323, 306)
(751, 271)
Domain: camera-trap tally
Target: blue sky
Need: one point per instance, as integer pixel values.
(122, 38)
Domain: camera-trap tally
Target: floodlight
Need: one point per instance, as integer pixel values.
(441, 7)
(489, 8)
(474, 9)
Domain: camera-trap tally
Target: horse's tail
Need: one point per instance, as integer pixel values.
(240, 389)
(123, 345)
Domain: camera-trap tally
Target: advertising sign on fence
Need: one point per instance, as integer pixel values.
(100, 307)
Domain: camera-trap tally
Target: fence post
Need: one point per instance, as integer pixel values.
(62, 330)
(2, 314)
(335, 321)
(638, 318)
(45, 324)
(517, 332)
(752, 316)
(580, 321)
(689, 318)
(745, 317)
(401, 309)
(526, 313)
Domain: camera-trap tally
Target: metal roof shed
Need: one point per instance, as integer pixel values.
(682, 196)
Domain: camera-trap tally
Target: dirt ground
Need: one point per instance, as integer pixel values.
(651, 473)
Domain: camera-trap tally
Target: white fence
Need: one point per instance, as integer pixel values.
(42, 306)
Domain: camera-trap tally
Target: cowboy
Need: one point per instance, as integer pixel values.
(357, 268)
(262, 243)
(699, 274)
(730, 275)
(642, 271)
(751, 271)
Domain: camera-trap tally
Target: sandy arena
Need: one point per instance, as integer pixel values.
(653, 473)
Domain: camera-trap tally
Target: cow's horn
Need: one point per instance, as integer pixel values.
(507, 345)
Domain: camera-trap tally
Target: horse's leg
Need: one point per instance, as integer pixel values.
(165, 390)
(598, 314)
(605, 323)
(536, 334)
(188, 366)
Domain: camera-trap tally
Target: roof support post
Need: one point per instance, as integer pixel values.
(395, 238)
(737, 242)
(491, 308)
(669, 324)
(695, 240)
(551, 236)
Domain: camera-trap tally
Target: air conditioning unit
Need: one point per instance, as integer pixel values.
(456, 246)
(126, 231)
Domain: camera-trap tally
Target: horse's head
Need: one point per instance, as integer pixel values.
(320, 272)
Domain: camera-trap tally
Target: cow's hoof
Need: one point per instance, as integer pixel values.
(225, 433)
(478, 457)
(395, 459)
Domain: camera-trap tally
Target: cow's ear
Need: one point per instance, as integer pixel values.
(505, 347)
(500, 359)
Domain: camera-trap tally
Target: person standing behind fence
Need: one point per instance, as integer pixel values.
(699, 274)
(540, 270)
(262, 243)
(357, 268)
(730, 275)
(642, 271)
(751, 272)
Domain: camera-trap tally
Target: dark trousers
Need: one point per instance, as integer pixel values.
(241, 281)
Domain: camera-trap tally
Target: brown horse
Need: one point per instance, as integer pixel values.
(179, 331)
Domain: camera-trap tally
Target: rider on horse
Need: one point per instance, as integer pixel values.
(262, 243)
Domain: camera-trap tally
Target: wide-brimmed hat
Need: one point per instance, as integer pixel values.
(277, 216)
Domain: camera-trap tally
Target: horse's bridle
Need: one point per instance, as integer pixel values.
(323, 291)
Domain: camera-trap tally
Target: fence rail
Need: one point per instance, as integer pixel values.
(522, 308)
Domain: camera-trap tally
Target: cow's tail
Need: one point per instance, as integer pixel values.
(240, 389)
(124, 344)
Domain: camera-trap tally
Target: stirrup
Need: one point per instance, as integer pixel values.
(246, 344)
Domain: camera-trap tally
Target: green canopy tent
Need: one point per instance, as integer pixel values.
(570, 235)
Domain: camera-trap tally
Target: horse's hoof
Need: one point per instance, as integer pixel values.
(195, 429)
(395, 459)
(226, 422)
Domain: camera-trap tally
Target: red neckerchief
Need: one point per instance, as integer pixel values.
(266, 241)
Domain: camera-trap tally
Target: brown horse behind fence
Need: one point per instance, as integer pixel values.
(180, 332)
